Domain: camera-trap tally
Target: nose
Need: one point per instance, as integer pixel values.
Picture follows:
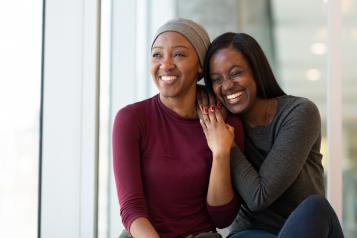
(167, 63)
(227, 83)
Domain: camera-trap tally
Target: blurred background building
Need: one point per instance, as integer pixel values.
(67, 66)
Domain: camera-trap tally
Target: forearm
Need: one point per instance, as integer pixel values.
(142, 227)
(220, 190)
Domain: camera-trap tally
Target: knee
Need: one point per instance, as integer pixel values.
(316, 199)
(317, 203)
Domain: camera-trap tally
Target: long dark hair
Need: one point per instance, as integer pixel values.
(267, 86)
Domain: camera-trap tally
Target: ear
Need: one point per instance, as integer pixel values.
(200, 76)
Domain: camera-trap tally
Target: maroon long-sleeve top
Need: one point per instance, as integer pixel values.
(162, 166)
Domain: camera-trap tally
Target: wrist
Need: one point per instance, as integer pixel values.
(221, 155)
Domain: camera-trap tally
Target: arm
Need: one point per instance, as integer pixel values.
(297, 135)
(221, 200)
(127, 172)
(220, 138)
(142, 227)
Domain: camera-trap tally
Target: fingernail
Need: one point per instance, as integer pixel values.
(205, 110)
(212, 109)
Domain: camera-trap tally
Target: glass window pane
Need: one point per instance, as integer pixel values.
(295, 43)
(349, 74)
(20, 84)
(301, 47)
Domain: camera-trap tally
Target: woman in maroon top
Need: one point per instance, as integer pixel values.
(170, 183)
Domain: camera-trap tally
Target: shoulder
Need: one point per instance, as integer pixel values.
(137, 109)
(298, 106)
(298, 112)
(135, 112)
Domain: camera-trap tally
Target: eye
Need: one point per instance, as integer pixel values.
(216, 80)
(179, 54)
(156, 55)
(235, 73)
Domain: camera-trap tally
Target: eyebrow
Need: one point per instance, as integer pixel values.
(236, 66)
(240, 67)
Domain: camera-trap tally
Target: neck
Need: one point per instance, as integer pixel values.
(261, 113)
(183, 106)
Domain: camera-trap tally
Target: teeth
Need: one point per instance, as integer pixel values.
(168, 78)
(235, 95)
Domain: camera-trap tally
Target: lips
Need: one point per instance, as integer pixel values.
(168, 79)
(234, 97)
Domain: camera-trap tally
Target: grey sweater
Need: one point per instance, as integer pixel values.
(281, 166)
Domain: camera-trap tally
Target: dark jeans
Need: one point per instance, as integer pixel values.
(313, 218)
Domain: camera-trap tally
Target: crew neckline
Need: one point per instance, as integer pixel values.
(272, 122)
(173, 114)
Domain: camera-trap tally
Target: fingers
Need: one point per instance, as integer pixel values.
(202, 100)
(212, 113)
(199, 112)
(215, 109)
(215, 115)
(207, 101)
(219, 115)
(212, 99)
(203, 114)
(206, 118)
(204, 127)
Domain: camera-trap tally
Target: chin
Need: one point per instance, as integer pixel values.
(168, 94)
(235, 109)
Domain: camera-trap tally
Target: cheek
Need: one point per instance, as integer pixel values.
(192, 70)
(152, 70)
(253, 90)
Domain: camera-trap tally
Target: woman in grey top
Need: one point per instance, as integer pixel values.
(280, 176)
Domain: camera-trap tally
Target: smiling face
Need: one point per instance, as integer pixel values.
(232, 80)
(174, 66)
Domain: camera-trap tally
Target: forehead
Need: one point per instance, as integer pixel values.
(170, 39)
(228, 56)
(229, 53)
